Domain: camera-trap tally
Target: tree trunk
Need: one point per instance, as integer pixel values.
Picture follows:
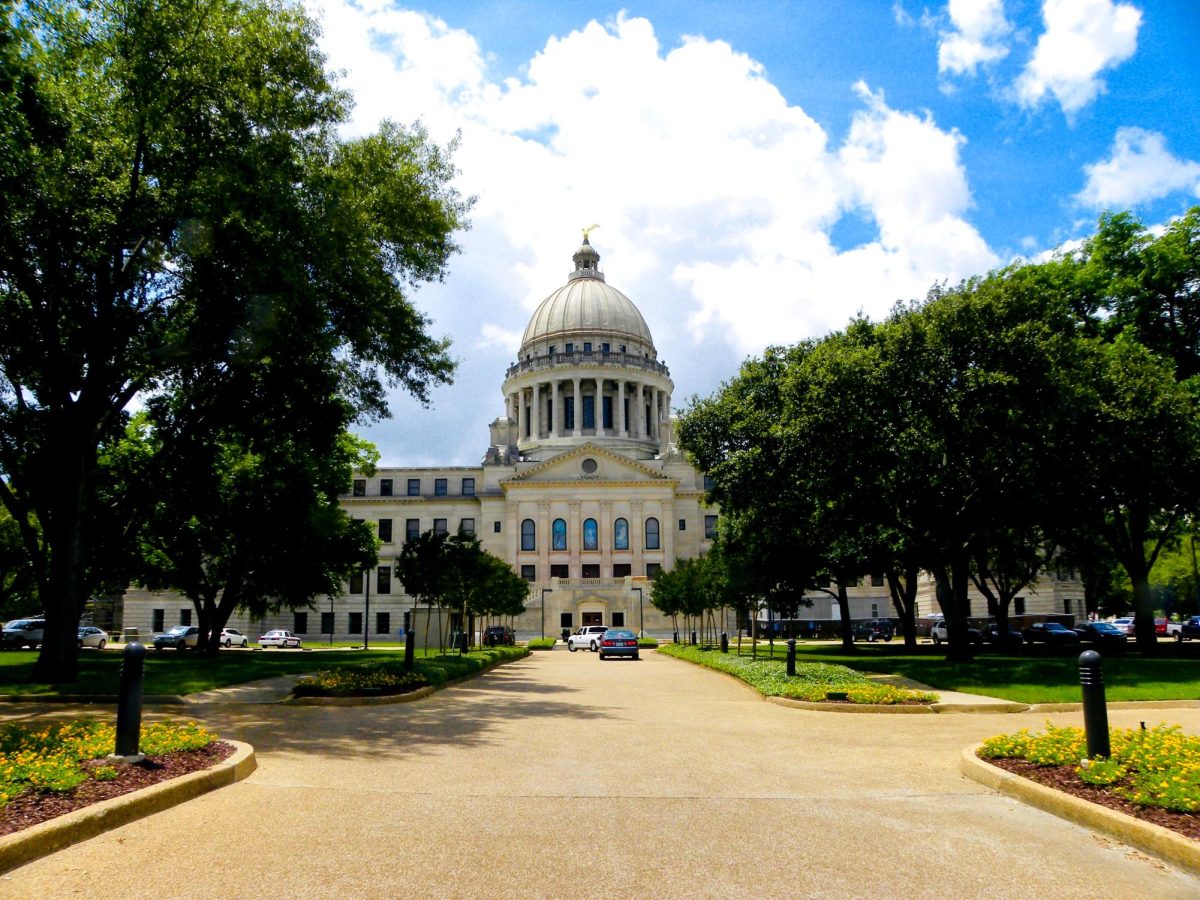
(847, 623)
(952, 597)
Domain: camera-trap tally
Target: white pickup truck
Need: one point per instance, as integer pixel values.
(588, 636)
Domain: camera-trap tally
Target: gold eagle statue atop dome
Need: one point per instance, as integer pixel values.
(588, 230)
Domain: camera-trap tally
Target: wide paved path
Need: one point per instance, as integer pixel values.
(563, 776)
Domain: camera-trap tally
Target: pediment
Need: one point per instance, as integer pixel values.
(569, 467)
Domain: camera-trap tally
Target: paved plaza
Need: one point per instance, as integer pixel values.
(560, 775)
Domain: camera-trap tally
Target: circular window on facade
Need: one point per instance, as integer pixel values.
(589, 466)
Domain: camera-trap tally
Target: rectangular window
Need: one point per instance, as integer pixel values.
(300, 623)
(1019, 605)
(466, 526)
(1067, 607)
(570, 347)
(621, 570)
(653, 569)
(604, 348)
(618, 620)
(468, 487)
(355, 624)
(385, 487)
(587, 346)
(360, 487)
(607, 406)
(385, 530)
(589, 412)
(439, 526)
(559, 570)
(708, 482)
(529, 573)
(157, 620)
(552, 349)
(383, 579)
(683, 524)
(326, 623)
(185, 617)
(568, 412)
(412, 529)
(876, 581)
(439, 487)
(564, 620)
(414, 487)
(356, 583)
(591, 570)
(710, 527)
(383, 623)
(496, 527)
(874, 610)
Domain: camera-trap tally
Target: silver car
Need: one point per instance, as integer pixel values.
(91, 636)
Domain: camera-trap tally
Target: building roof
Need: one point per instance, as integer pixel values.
(586, 305)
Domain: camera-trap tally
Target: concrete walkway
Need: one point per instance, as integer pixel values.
(563, 775)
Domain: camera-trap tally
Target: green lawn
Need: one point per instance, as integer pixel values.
(1030, 677)
(171, 672)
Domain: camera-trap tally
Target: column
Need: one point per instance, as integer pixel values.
(574, 539)
(556, 415)
(521, 415)
(667, 529)
(535, 421)
(599, 407)
(654, 413)
(542, 530)
(637, 536)
(604, 535)
(620, 401)
(636, 403)
(578, 426)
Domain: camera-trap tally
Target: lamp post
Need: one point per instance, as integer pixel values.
(641, 614)
(545, 591)
(331, 620)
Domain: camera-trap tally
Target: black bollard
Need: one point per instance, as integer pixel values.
(675, 637)
(410, 649)
(1095, 711)
(129, 700)
(724, 642)
(464, 643)
(791, 656)
(693, 638)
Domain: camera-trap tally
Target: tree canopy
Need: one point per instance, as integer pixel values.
(178, 214)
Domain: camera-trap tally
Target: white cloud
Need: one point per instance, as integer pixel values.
(716, 198)
(1140, 170)
(1081, 40)
(979, 27)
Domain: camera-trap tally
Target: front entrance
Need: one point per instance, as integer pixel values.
(593, 618)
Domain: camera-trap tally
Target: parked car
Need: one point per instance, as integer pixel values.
(874, 630)
(494, 635)
(23, 633)
(1103, 634)
(1005, 639)
(231, 637)
(587, 636)
(941, 633)
(277, 637)
(91, 636)
(180, 637)
(1053, 634)
(1125, 623)
(1189, 629)
(618, 642)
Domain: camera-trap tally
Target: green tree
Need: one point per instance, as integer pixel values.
(172, 188)
(18, 586)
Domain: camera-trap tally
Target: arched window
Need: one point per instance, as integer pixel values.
(558, 535)
(620, 535)
(652, 534)
(591, 535)
(528, 535)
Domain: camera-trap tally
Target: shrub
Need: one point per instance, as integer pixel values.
(543, 643)
(647, 643)
(389, 677)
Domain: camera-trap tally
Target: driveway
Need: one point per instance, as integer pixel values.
(560, 775)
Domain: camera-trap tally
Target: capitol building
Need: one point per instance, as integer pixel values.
(581, 489)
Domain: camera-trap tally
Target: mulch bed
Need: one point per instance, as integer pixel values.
(1063, 778)
(32, 808)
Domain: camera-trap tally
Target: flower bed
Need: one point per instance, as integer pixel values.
(812, 682)
(385, 677)
(1157, 767)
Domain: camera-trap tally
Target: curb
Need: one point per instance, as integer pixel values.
(1118, 704)
(998, 707)
(147, 700)
(875, 708)
(1154, 839)
(56, 834)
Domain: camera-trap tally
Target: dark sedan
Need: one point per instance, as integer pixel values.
(1054, 634)
(1103, 634)
(619, 642)
(1005, 639)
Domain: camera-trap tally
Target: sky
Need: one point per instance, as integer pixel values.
(760, 171)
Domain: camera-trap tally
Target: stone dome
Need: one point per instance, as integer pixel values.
(586, 305)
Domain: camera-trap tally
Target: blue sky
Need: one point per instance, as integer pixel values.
(761, 171)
